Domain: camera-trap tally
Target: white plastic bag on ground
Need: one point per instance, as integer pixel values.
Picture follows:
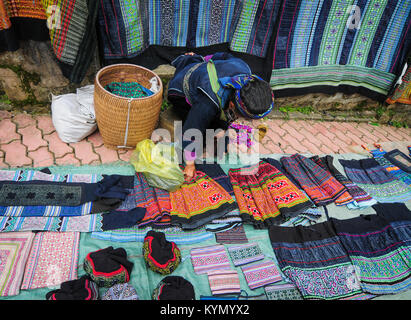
(73, 114)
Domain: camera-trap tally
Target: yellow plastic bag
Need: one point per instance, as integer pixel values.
(159, 163)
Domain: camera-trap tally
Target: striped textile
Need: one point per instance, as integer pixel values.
(224, 282)
(216, 20)
(173, 234)
(265, 196)
(255, 27)
(282, 291)
(245, 253)
(52, 260)
(49, 211)
(168, 22)
(233, 235)
(210, 258)
(87, 223)
(14, 251)
(340, 45)
(155, 200)
(318, 183)
(72, 34)
(376, 180)
(260, 274)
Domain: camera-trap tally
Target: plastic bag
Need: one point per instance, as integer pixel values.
(159, 163)
(73, 114)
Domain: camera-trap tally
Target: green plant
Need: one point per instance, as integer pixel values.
(380, 111)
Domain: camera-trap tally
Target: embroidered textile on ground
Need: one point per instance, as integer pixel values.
(14, 251)
(199, 201)
(314, 259)
(52, 260)
(265, 196)
(376, 180)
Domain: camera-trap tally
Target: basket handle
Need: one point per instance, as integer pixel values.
(126, 133)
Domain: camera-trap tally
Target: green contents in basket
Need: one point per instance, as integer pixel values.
(128, 89)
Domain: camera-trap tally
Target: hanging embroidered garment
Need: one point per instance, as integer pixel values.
(255, 27)
(265, 196)
(198, 202)
(315, 261)
(374, 179)
(318, 184)
(215, 21)
(377, 250)
(21, 20)
(73, 36)
(401, 93)
(340, 46)
(52, 260)
(361, 198)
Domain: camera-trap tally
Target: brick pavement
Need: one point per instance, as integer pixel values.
(27, 140)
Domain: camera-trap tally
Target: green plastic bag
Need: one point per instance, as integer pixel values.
(159, 163)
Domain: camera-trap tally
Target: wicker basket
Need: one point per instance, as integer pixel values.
(123, 122)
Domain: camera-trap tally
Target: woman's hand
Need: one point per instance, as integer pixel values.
(189, 171)
(189, 53)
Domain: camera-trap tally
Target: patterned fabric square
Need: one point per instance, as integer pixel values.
(53, 259)
(14, 250)
(286, 291)
(210, 258)
(233, 235)
(224, 282)
(246, 253)
(260, 274)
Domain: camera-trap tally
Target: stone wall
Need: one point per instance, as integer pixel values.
(31, 74)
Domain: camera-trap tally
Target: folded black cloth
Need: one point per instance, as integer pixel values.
(174, 288)
(117, 219)
(80, 289)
